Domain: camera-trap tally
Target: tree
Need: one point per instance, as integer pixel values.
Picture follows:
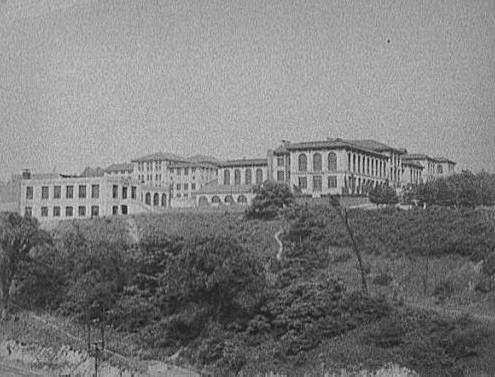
(334, 201)
(18, 236)
(269, 199)
(383, 195)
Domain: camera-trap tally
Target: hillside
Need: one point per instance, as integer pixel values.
(208, 289)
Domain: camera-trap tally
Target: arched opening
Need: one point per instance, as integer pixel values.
(156, 199)
(228, 199)
(259, 176)
(164, 200)
(302, 162)
(242, 199)
(317, 162)
(216, 200)
(248, 176)
(226, 177)
(332, 161)
(203, 201)
(147, 199)
(237, 177)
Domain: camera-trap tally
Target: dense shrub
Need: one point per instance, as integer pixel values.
(269, 199)
(383, 195)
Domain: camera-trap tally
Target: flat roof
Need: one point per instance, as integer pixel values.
(244, 162)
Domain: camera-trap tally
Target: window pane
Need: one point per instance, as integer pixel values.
(332, 161)
(44, 192)
(317, 183)
(29, 192)
(69, 192)
(332, 181)
(317, 162)
(302, 162)
(95, 191)
(280, 176)
(57, 190)
(69, 211)
(82, 191)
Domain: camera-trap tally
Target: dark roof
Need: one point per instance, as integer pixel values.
(375, 145)
(204, 158)
(416, 156)
(330, 144)
(444, 159)
(92, 172)
(119, 167)
(412, 163)
(191, 164)
(160, 156)
(244, 162)
(215, 188)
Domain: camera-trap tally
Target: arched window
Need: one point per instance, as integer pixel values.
(302, 162)
(237, 177)
(259, 176)
(156, 199)
(203, 201)
(332, 161)
(226, 177)
(215, 200)
(229, 199)
(164, 200)
(247, 176)
(317, 162)
(242, 199)
(147, 199)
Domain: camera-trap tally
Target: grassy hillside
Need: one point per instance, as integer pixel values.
(191, 285)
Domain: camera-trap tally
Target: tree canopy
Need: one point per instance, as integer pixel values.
(383, 195)
(269, 199)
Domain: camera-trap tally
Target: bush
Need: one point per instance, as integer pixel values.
(269, 199)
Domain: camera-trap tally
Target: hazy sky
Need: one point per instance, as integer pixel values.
(91, 82)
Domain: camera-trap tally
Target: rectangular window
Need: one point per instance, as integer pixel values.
(124, 192)
(115, 191)
(193, 186)
(124, 210)
(44, 193)
(178, 171)
(186, 195)
(69, 211)
(82, 211)
(280, 161)
(186, 171)
(280, 176)
(95, 211)
(303, 182)
(332, 181)
(317, 183)
(186, 186)
(44, 211)
(69, 192)
(29, 192)
(95, 191)
(57, 192)
(28, 211)
(56, 211)
(115, 210)
(82, 191)
(193, 170)
(133, 192)
(178, 187)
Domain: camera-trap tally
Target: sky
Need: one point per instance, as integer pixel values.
(92, 82)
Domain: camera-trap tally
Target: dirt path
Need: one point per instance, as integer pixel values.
(485, 318)
(280, 244)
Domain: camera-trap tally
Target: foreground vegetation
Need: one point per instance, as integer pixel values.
(208, 289)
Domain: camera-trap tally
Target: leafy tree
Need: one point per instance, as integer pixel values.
(269, 199)
(383, 195)
(18, 236)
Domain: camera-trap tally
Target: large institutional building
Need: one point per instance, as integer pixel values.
(159, 181)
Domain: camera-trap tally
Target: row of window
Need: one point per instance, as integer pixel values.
(247, 176)
(185, 186)
(318, 182)
(115, 192)
(69, 192)
(317, 162)
(69, 211)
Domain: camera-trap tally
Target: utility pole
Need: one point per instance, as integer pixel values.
(98, 346)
